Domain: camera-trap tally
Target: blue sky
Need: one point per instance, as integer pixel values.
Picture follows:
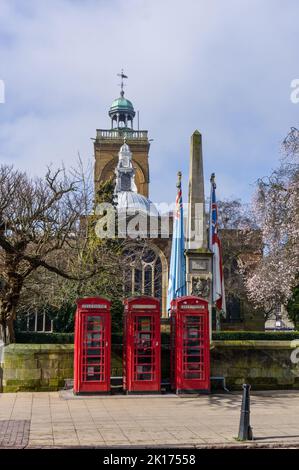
(222, 67)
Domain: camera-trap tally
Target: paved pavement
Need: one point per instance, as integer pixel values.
(59, 419)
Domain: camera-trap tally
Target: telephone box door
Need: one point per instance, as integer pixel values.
(190, 345)
(92, 346)
(142, 351)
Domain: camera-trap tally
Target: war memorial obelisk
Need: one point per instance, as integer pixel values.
(198, 255)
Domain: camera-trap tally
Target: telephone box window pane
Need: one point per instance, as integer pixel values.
(93, 360)
(192, 342)
(93, 351)
(143, 356)
(144, 372)
(93, 340)
(144, 339)
(144, 324)
(94, 323)
(145, 368)
(94, 372)
(144, 359)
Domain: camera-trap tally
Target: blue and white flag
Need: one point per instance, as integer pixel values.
(215, 247)
(177, 272)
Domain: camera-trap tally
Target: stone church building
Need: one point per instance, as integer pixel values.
(149, 275)
(121, 151)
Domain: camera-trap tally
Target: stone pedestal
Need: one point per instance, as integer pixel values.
(199, 276)
(199, 273)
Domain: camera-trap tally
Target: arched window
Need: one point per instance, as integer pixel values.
(143, 273)
(148, 280)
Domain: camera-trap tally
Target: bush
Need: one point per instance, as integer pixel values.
(255, 335)
(44, 338)
(117, 338)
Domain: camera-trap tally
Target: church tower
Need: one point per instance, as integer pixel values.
(108, 142)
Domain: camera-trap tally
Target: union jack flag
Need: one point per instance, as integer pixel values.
(215, 247)
(178, 202)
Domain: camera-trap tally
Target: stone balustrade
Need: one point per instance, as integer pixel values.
(120, 134)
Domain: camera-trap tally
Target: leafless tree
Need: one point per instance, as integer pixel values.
(49, 250)
(40, 232)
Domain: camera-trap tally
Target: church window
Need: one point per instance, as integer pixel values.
(143, 276)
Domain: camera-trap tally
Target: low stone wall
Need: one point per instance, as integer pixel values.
(266, 365)
(41, 367)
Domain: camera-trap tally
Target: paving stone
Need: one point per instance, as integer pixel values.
(62, 420)
(14, 433)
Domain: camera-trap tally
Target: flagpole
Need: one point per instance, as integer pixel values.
(218, 295)
(212, 181)
(177, 269)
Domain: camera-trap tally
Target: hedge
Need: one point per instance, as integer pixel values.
(68, 338)
(44, 338)
(53, 338)
(255, 335)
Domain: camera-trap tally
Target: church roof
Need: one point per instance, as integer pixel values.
(130, 200)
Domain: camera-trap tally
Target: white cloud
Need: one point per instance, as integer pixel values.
(222, 67)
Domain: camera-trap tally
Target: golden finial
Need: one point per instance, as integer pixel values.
(179, 182)
(212, 180)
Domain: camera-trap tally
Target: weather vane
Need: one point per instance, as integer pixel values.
(122, 76)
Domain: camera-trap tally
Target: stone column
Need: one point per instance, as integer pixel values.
(198, 255)
(196, 232)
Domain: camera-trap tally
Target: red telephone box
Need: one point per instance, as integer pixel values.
(190, 345)
(92, 346)
(142, 345)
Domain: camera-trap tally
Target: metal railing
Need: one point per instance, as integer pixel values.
(120, 134)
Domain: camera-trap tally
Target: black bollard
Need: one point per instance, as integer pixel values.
(245, 431)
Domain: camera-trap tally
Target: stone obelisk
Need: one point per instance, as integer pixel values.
(198, 255)
(197, 234)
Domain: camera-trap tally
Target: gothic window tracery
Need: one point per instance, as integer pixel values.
(143, 275)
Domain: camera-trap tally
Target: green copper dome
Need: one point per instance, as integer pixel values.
(121, 105)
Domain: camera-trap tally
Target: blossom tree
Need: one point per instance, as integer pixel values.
(275, 205)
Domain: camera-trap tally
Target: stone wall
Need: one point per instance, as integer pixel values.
(40, 367)
(266, 365)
